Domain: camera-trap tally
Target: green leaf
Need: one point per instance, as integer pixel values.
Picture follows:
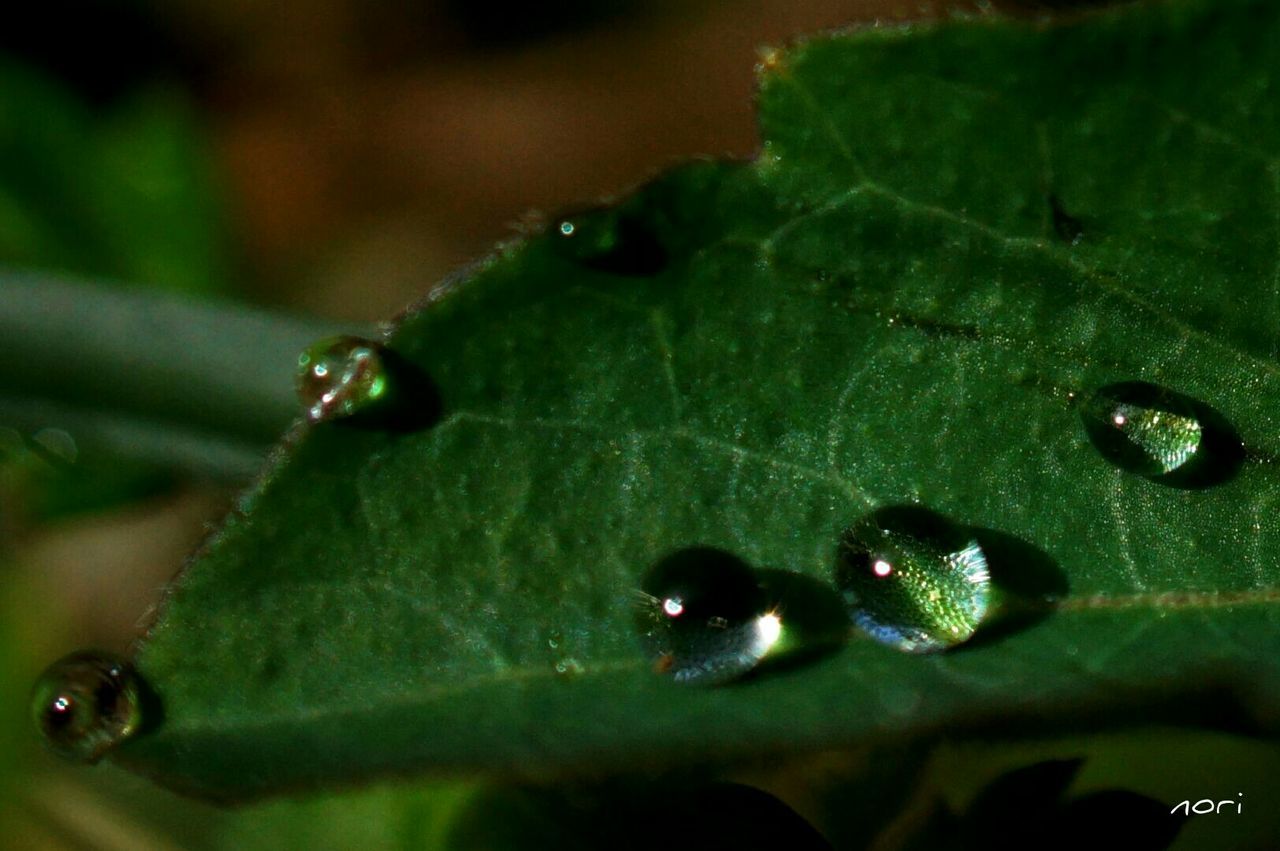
(122, 191)
(399, 817)
(951, 229)
(127, 193)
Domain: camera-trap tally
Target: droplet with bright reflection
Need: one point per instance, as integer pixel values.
(1162, 435)
(86, 704)
(340, 377)
(704, 618)
(612, 241)
(912, 579)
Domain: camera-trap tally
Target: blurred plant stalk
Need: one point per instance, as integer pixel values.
(197, 386)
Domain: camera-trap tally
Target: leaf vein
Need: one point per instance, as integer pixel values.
(830, 477)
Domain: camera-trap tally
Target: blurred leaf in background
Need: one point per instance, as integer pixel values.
(105, 173)
(123, 191)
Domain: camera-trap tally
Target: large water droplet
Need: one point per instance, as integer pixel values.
(87, 703)
(361, 382)
(704, 618)
(912, 579)
(1162, 435)
(339, 377)
(611, 241)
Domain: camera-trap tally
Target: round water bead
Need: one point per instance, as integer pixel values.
(912, 579)
(610, 241)
(703, 617)
(1160, 434)
(339, 377)
(87, 703)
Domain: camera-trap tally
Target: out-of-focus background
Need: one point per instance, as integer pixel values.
(326, 157)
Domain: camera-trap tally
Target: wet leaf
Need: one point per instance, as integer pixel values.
(882, 309)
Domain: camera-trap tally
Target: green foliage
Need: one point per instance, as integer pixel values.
(124, 193)
(953, 231)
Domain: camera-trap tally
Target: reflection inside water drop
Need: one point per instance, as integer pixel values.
(362, 383)
(341, 376)
(1162, 435)
(912, 579)
(704, 618)
(85, 704)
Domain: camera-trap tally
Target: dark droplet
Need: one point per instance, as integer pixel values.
(87, 703)
(359, 381)
(611, 241)
(704, 618)
(1067, 227)
(1162, 435)
(912, 579)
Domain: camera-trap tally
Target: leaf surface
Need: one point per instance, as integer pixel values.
(952, 231)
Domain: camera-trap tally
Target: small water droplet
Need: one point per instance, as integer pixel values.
(611, 241)
(87, 703)
(912, 579)
(359, 381)
(1162, 435)
(704, 618)
(568, 667)
(341, 376)
(1068, 228)
(59, 444)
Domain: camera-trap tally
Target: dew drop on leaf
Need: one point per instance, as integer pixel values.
(912, 579)
(339, 377)
(58, 444)
(704, 618)
(611, 241)
(87, 703)
(1160, 434)
(1067, 227)
(568, 667)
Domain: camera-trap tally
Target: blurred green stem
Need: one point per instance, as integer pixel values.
(196, 385)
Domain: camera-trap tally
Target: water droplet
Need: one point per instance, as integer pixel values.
(568, 667)
(912, 579)
(611, 241)
(704, 618)
(59, 444)
(87, 703)
(1162, 435)
(360, 382)
(1068, 228)
(341, 376)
